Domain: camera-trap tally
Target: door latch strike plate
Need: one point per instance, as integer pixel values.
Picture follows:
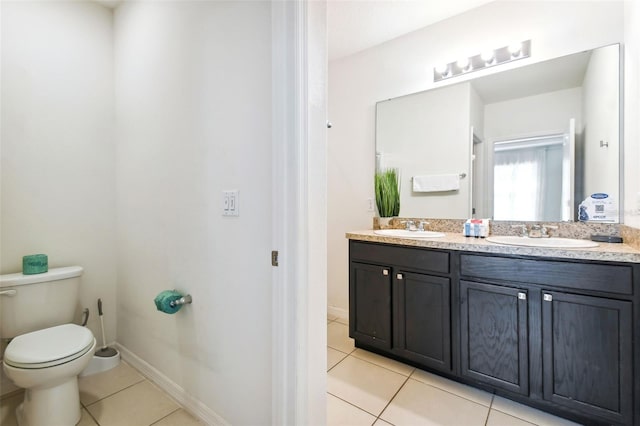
(274, 258)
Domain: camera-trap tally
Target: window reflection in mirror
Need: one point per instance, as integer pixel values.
(528, 179)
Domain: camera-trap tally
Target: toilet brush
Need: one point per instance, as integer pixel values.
(104, 351)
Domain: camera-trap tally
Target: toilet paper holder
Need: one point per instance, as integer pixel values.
(184, 300)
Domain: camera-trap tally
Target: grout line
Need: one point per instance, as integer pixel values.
(389, 403)
(343, 358)
(382, 366)
(513, 415)
(352, 404)
(456, 394)
(486, 421)
(525, 420)
(91, 415)
(112, 394)
(339, 350)
(162, 418)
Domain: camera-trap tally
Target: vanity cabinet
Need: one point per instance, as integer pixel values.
(571, 321)
(400, 302)
(552, 333)
(422, 323)
(495, 335)
(586, 343)
(370, 311)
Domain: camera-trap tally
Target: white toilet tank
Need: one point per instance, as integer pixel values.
(34, 302)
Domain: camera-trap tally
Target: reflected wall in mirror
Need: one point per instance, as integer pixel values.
(529, 143)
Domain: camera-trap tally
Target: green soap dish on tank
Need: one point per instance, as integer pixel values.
(35, 264)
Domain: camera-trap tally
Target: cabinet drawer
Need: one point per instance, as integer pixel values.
(583, 276)
(411, 258)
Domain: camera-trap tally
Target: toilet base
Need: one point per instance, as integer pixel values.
(57, 405)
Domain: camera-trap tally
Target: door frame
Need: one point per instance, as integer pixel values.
(299, 219)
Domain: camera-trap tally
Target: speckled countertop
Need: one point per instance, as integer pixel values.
(456, 241)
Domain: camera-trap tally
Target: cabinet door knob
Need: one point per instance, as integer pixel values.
(522, 296)
(385, 272)
(399, 276)
(547, 298)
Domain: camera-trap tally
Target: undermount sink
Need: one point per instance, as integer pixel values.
(403, 233)
(552, 242)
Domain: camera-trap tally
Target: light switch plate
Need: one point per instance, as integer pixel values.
(371, 206)
(230, 205)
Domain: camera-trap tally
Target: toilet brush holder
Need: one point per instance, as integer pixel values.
(105, 358)
(99, 364)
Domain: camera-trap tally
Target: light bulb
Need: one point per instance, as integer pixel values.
(442, 69)
(515, 49)
(463, 64)
(488, 57)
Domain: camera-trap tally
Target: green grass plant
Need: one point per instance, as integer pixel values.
(387, 189)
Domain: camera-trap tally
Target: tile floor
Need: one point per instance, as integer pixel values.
(362, 389)
(368, 389)
(118, 397)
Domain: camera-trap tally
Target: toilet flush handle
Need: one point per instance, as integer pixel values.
(8, 293)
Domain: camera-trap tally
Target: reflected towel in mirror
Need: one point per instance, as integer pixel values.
(436, 183)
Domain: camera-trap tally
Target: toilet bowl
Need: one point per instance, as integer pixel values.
(47, 363)
(46, 351)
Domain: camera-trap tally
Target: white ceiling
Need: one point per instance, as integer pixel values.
(356, 25)
(561, 73)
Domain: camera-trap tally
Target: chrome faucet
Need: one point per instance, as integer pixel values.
(545, 230)
(534, 231)
(421, 225)
(410, 225)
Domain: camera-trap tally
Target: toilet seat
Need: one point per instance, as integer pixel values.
(48, 347)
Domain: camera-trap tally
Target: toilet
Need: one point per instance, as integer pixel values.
(46, 352)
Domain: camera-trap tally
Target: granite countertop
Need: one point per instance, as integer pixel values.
(455, 241)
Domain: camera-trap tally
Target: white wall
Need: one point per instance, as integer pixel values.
(193, 102)
(427, 134)
(631, 113)
(602, 123)
(542, 114)
(57, 166)
(404, 66)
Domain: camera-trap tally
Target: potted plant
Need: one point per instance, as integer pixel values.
(387, 188)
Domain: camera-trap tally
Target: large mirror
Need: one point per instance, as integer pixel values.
(527, 144)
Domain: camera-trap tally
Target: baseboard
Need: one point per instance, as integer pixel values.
(190, 404)
(343, 314)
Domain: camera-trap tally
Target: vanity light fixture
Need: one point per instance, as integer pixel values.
(487, 59)
(443, 70)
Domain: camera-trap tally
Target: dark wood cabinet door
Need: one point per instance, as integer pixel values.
(587, 353)
(370, 304)
(422, 323)
(494, 335)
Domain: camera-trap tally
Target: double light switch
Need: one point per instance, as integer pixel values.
(230, 203)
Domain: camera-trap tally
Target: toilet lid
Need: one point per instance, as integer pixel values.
(48, 347)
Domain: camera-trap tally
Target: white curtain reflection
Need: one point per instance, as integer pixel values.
(528, 179)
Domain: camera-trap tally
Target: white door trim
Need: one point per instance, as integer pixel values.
(299, 212)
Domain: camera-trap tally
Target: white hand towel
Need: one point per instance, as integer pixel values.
(436, 183)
